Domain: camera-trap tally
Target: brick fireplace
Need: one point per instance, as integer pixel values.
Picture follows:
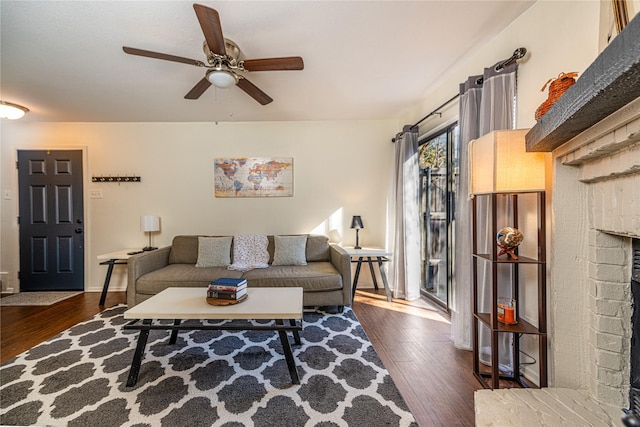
(596, 211)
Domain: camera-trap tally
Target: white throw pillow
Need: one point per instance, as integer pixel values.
(290, 250)
(249, 252)
(214, 251)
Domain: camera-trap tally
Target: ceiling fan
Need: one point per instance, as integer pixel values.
(224, 69)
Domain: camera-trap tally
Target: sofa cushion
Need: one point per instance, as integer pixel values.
(250, 251)
(214, 251)
(184, 250)
(181, 276)
(317, 249)
(313, 277)
(290, 250)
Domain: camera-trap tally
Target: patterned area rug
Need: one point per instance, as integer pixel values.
(36, 298)
(208, 378)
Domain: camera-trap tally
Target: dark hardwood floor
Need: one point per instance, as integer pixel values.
(412, 340)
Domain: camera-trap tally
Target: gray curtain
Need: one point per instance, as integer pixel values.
(487, 103)
(406, 216)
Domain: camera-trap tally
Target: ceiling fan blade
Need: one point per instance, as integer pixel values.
(253, 91)
(210, 23)
(274, 64)
(166, 57)
(198, 89)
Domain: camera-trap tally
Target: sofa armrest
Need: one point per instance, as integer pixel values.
(139, 265)
(341, 260)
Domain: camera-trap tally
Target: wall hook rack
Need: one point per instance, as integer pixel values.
(115, 179)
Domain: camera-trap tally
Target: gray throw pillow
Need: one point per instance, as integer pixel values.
(214, 251)
(290, 250)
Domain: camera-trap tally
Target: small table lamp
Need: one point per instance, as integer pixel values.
(356, 222)
(149, 224)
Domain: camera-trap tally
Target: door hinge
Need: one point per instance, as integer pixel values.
(18, 273)
(18, 220)
(17, 167)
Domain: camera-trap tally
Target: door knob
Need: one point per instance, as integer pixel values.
(78, 230)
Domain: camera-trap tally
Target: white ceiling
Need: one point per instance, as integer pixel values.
(363, 59)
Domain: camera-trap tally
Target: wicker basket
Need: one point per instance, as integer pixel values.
(557, 88)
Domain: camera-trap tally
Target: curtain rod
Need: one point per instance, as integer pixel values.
(519, 53)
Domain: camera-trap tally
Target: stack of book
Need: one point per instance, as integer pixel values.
(226, 289)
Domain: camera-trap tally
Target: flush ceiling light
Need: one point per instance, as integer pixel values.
(12, 111)
(222, 79)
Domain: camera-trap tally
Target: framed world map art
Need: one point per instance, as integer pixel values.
(253, 177)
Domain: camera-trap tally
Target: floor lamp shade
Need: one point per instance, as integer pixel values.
(499, 163)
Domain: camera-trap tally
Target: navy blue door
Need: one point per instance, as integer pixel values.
(51, 220)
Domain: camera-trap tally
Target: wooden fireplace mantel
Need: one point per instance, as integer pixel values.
(608, 84)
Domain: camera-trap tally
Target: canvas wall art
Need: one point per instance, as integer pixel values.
(254, 177)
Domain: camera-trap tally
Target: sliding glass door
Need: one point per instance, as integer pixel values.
(438, 191)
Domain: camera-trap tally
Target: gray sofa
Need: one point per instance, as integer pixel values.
(326, 279)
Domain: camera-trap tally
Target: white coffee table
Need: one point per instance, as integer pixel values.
(180, 304)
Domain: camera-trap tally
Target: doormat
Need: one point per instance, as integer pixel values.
(36, 298)
(207, 378)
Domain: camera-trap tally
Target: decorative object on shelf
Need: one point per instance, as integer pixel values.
(117, 178)
(253, 177)
(557, 88)
(149, 224)
(11, 111)
(507, 311)
(509, 239)
(356, 222)
(499, 163)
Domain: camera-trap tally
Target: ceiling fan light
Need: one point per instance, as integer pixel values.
(222, 79)
(12, 111)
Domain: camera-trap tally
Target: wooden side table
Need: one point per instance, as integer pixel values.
(111, 259)
(373, 256)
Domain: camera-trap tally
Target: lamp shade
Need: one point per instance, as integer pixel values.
(499, 163)
(356, 222)
(149, 223)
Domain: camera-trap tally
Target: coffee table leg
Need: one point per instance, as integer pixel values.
(137, 357)
(174, 333)
(288, 354)
(296, 335)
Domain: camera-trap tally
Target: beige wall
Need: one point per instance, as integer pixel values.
(340, 169)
